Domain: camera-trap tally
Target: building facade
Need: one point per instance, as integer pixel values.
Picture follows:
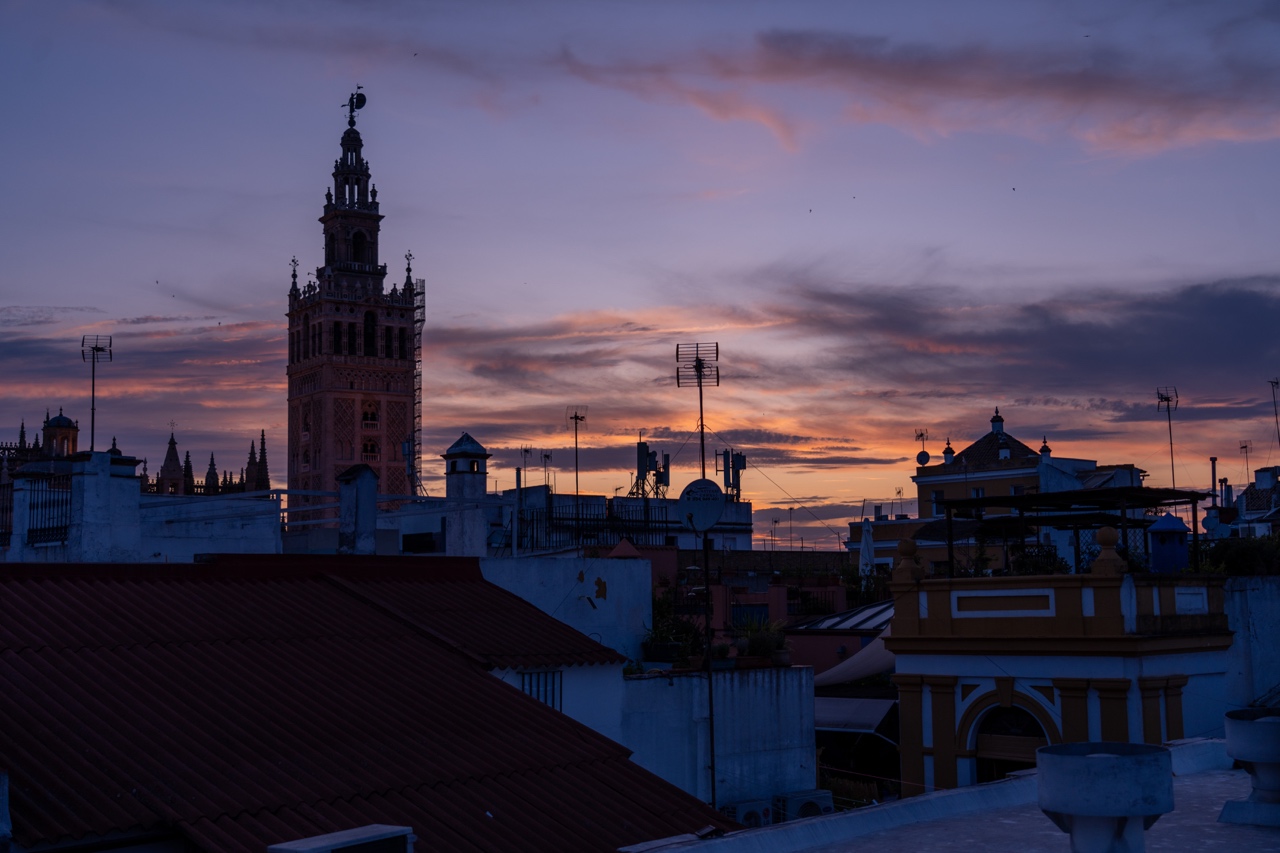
(351, 345)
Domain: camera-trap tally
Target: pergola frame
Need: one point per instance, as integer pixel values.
(1077, 509)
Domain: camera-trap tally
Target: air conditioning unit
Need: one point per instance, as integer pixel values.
(375, 838)
(750, 813)
(800, 804)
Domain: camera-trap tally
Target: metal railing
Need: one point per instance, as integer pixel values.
(566, 526)
(49, 509)
(6, 514)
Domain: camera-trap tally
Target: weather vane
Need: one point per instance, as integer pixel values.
(355, 102)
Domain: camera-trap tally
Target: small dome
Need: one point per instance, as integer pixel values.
(61, 421)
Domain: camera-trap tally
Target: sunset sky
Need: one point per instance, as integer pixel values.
(891, 216)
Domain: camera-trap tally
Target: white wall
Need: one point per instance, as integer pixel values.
(112, 522)
(609, 600)
(175, 529)
(592, 695)
(763, 731)
(1253, 613)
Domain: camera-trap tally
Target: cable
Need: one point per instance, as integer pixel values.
(793, 499)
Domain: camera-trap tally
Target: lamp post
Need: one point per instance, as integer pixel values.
(93, 348)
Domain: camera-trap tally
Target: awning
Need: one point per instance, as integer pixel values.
(871, 659)
(834, 714)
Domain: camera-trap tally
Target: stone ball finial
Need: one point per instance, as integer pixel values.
(909, 568)
(1108, 562)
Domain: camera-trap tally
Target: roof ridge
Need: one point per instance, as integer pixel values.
(405, 619)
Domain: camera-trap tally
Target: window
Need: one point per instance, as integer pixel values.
(404, 342)
(546, 687)
(351, 339)
(337, 337)
(977, 492)
(370, 333)
(359, 247)
(369, 416)
(937, 498)
(369, 451)
(386, 343)
(1017, 490)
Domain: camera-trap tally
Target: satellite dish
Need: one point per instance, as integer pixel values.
(922, 458)
(701, 505)
(360, 100)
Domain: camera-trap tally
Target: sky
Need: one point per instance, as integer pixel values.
(891, 217)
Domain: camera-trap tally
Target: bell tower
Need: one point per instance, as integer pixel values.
(351, 359)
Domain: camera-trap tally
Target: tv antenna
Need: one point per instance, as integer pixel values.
(1167, 401)
(526, 452)
(546, 460)
(94, 348)
(1275, 383)
(922, 458)
(696, 365)
(577, 415)
(1246, 446)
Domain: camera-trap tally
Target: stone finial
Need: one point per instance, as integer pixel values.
(1108, 563)
(909, 568)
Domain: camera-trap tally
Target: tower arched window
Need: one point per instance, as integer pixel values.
(360, 248)
(306, 335)
(404, 342)
(369, 451)
(370, 333)
(386, 343)
(337, 337)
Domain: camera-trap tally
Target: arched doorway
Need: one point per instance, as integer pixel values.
(1007, 741)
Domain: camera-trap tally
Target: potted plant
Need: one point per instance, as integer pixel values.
(720, 657)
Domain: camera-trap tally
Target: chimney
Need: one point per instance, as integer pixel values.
(1213, 477)
(1265, 478)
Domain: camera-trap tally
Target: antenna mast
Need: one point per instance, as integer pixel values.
(1245, 447)
(696, 364)
(1167, 401)
(93, 348)
(577, 414)
(1275, 383)
(922, 458)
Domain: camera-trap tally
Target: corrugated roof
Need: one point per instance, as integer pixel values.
(243, 706)
(868, 617)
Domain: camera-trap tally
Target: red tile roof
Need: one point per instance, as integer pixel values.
(243, 705)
